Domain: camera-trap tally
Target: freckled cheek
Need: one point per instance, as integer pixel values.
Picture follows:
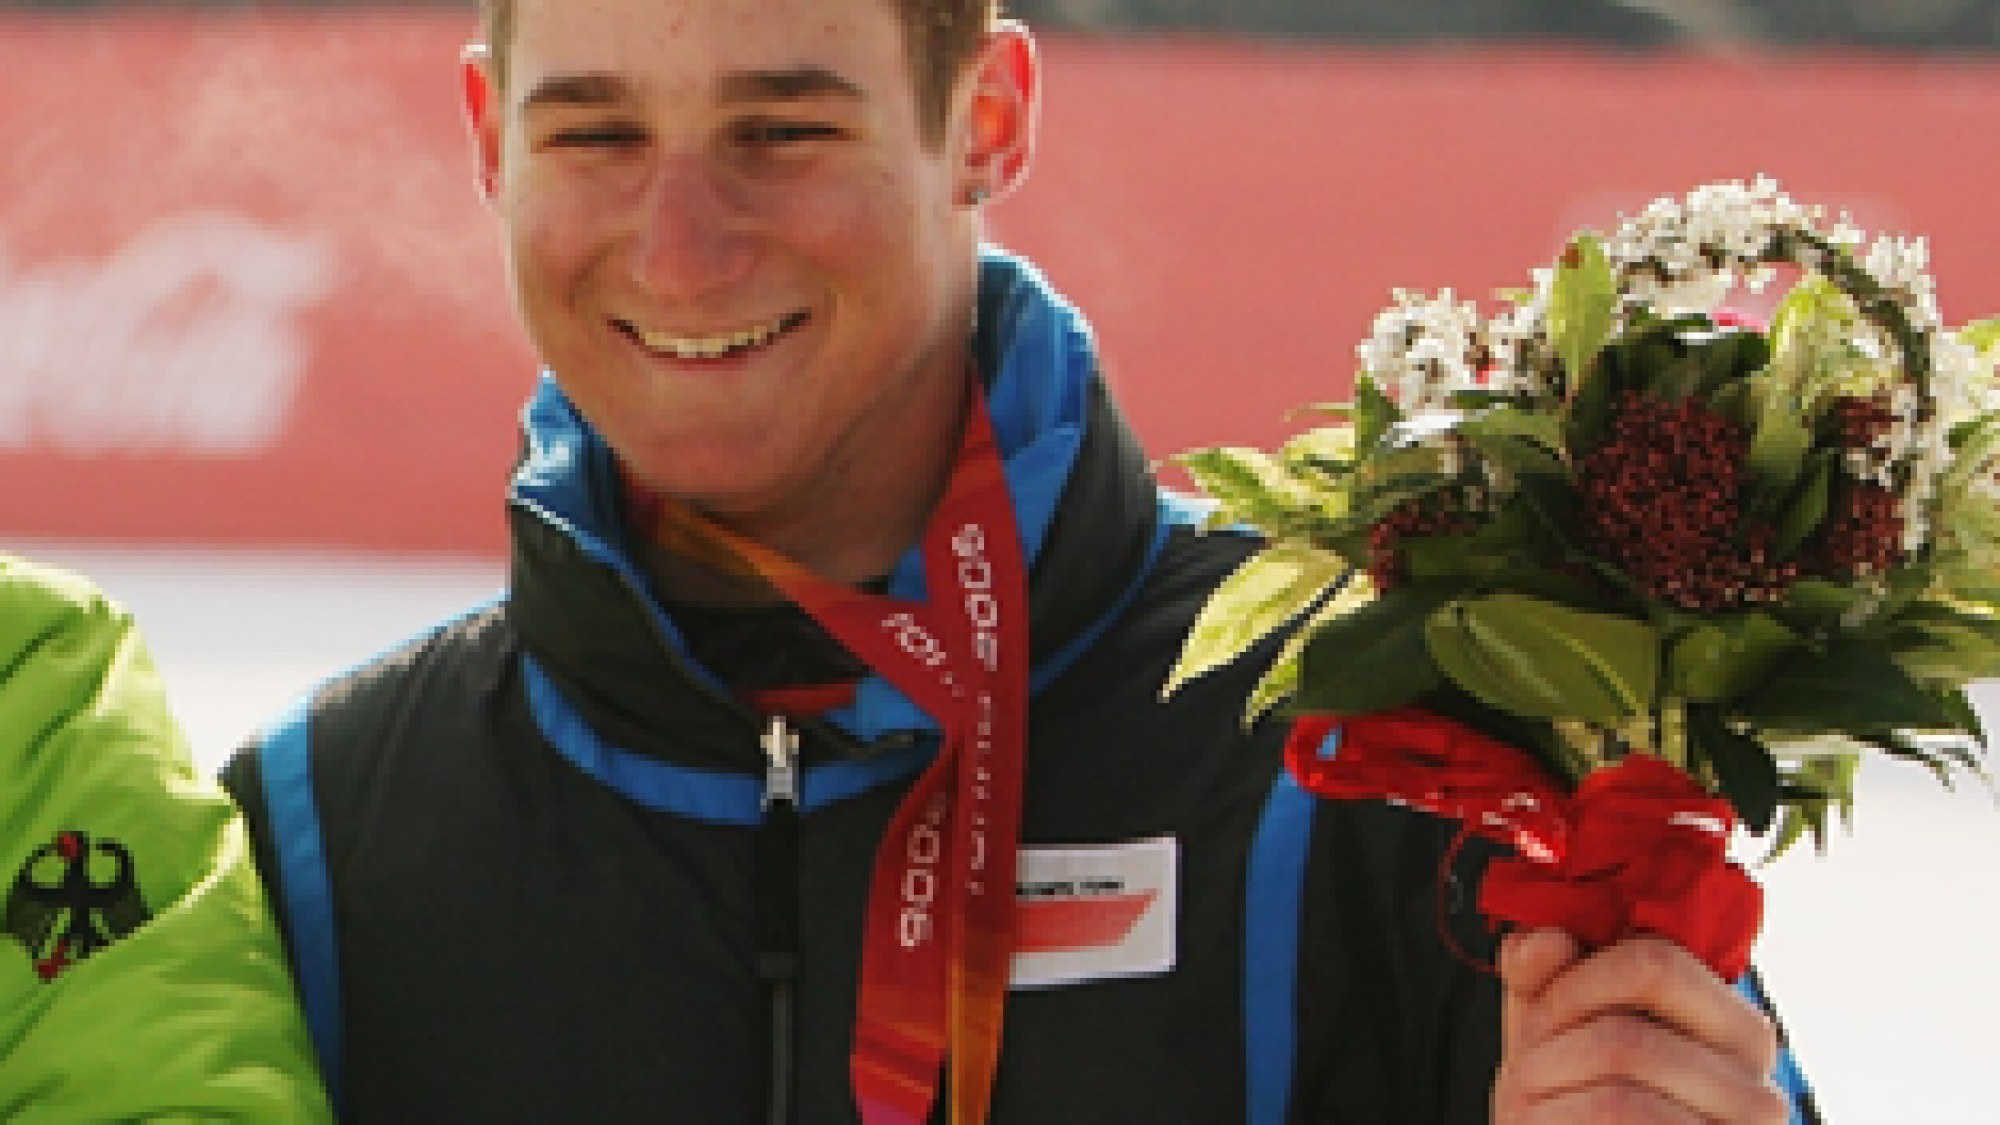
(555, 242)
(854, 227)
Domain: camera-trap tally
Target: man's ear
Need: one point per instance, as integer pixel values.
(482, 114)
(1001, 117)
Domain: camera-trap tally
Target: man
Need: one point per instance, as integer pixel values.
(140, 976)
(817, 745)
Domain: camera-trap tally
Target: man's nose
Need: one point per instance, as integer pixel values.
(693, 235)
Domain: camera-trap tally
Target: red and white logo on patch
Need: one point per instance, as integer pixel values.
(1097, 912)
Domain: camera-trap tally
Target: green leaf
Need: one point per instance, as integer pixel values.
(1973, 528)
(1929, 614)
(1682, 376)
(1278, 684)
(1850, 685)
(1779, 446)
(1690, 358)
(1745, 771)
(1594, 397)
(1583, 305)
(1982, 335)
(1378, 498)
(1974, 443)
(1807, 507)
(1371, 658)
(1471, 561)
(1395, 463)
(1727, 356)
(1244, 481)
(1812, 602)
(1736, 401)
(1814, 299)
(1270, 588)
(1476, 672)
(1793, 823)
(1988, 596)
(1480, 399)
(1898, 745)
(1543, 660)
(1810, 333)
(1322, 445)
(1940, 644)
(1282, 681)
(1723, 658)
(1518, 456)
(1906, 585)
(1552, 502)
(1964, 716)
(1433, 558)
(1540, 427)
(1538, 737)
(1815, 787)
(1374, 415)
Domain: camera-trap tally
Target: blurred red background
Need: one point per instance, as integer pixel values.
(248, 294)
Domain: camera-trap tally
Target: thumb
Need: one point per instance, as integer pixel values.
(1529, 961)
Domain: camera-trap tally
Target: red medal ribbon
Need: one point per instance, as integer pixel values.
(1639, 848)
(937, 950)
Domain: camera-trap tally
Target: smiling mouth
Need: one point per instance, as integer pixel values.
(724, 346)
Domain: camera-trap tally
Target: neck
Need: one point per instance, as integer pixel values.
(850, 524)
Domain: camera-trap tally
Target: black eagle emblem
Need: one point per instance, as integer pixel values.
(73, 897)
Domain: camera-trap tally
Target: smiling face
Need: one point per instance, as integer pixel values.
(731, 241)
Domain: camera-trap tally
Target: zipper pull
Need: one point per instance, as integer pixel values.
(776, 887)
(781, 754)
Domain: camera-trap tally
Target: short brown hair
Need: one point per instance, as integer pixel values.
(942, 37)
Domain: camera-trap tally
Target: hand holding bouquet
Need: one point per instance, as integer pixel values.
(1670, 570)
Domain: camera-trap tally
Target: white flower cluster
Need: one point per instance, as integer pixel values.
(1919, 450)
(1902, 266)
(1919, 439)
(1519, 342)
(1962, 379)
(1421, 350)
(1962, 387)
(1686, 255)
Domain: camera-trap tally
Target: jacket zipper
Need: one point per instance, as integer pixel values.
(777, 906)
(841, 743)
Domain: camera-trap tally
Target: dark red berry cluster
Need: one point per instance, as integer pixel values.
(1435, 514)
(1661, 501)
(1862, 533)
(1858, 422)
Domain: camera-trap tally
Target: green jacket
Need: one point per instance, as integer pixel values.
(141, 975)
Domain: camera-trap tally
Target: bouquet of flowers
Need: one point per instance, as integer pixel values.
(1612, 570)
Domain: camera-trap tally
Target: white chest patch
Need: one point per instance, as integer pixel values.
(1095, 912)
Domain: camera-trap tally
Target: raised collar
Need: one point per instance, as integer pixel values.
(1085, 504)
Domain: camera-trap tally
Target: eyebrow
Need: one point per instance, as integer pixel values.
(576, 90)
(790, 84)
(797, 83)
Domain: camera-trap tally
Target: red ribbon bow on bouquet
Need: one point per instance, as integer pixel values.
(1639, 847)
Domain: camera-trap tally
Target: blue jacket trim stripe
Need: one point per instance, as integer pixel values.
(727, 798)
(1039, 421)
(561, 480)
(285, 763)
(1059, 663)
(1271, 951)
(1788, 1076)
(707, 795)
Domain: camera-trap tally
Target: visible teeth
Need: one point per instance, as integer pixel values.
(709, 347)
